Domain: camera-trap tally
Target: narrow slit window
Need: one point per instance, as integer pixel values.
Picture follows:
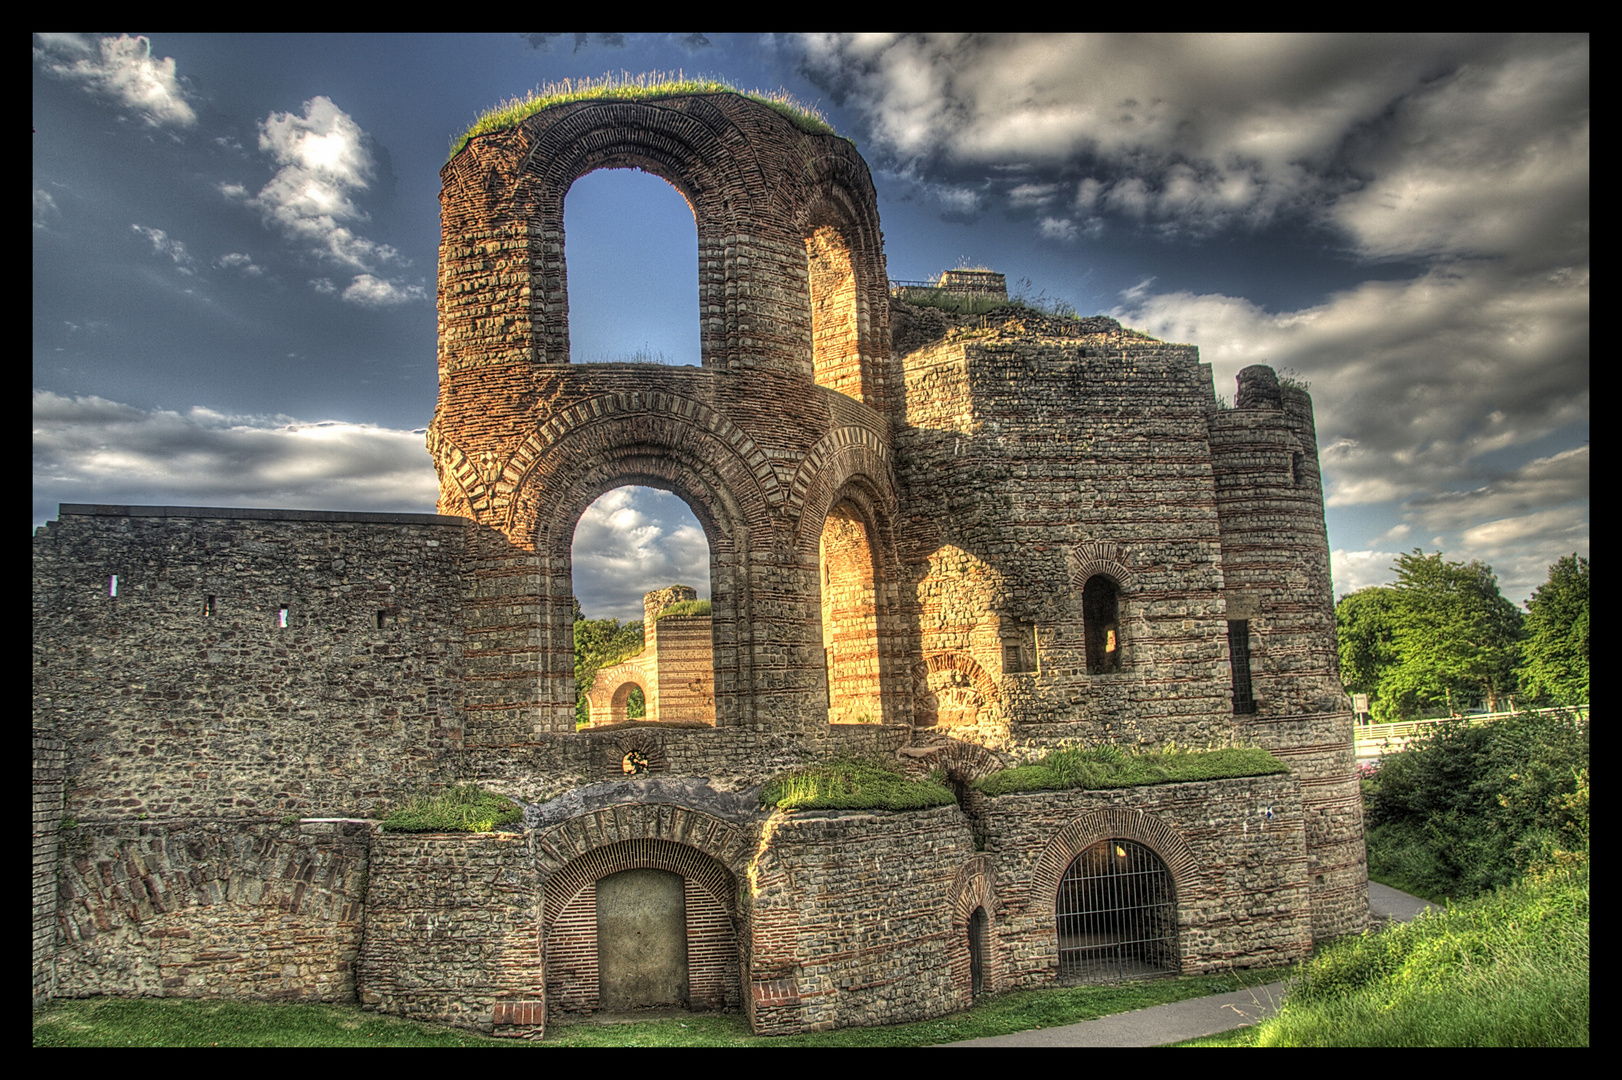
(112, 586)
(281, 617)
(1101, 621)
(1239, 657)
(382, 619)
(209, 609)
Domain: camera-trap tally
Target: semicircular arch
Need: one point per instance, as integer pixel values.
(1112, 823)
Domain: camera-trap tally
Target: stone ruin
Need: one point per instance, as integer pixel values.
(945, 543)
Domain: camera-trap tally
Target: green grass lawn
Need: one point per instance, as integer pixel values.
(111, 1021)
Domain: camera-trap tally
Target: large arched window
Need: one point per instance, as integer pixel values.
(1116, 914)
(633, 270)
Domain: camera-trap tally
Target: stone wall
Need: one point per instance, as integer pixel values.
(853, 915)
(49, 774)
(227, 908)
(184, 694)
(453, 932)
(1236, 850)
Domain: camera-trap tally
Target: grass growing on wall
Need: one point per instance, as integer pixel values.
(685, 607)
(464, 808)
(853, 784)
(1095, 767)
(628, 87)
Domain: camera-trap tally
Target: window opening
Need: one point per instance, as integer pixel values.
(977, 952)
(281, 617)
(209, 609)
(632, 251)
(640, 552)
(1116, 914)
(112, 586)
(1239, 658)
(1101, 618)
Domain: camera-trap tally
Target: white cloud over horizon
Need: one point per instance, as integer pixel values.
(121, 69)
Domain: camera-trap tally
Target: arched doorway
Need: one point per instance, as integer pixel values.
(646, 924)
(1116, 914)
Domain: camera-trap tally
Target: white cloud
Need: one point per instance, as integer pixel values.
(44, 208)
(122, 69)
(324, 165)
(633, 540)
(164, 244)
(89, 449)
(240, 261)
(369, 291)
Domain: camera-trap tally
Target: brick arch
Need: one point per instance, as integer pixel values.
(968, 667)
(628, 836)
(690, 432)
(843, 456)
(873, 507)
(1100, 557)
(972, 887)
(842, 199)
(693, 144)
(656, 440)
(1109, 824)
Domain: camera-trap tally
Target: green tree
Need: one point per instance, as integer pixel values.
(1456, 637)
(1556, 649)
(1365, 626)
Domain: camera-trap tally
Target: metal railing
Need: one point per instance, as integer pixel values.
(1376, 739)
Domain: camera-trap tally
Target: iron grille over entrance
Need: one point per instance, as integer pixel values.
(1117, 917)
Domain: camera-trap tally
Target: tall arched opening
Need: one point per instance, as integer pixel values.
(632, 275)
(643, 637)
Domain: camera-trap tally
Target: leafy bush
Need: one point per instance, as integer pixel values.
(853, 784)
(1095, 767)
(465, 808)
(1470, 809)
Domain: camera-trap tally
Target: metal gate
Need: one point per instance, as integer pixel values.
(1116, 914)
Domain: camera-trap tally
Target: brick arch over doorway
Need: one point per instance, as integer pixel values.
(710, 929)
(1113, 823)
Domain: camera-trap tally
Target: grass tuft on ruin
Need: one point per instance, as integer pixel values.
(627, 87)
(463, 808)
(1089, 768)
(684, 607)
(853, 784)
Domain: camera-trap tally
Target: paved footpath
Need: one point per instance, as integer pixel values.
(1195, 1017)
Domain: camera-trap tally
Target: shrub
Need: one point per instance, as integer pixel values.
(464, 808)
(1472, 808)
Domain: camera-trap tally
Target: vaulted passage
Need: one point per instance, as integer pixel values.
(1117, 915)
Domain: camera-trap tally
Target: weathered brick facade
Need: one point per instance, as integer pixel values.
(958, 551)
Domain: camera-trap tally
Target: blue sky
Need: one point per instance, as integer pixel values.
(235, 241)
